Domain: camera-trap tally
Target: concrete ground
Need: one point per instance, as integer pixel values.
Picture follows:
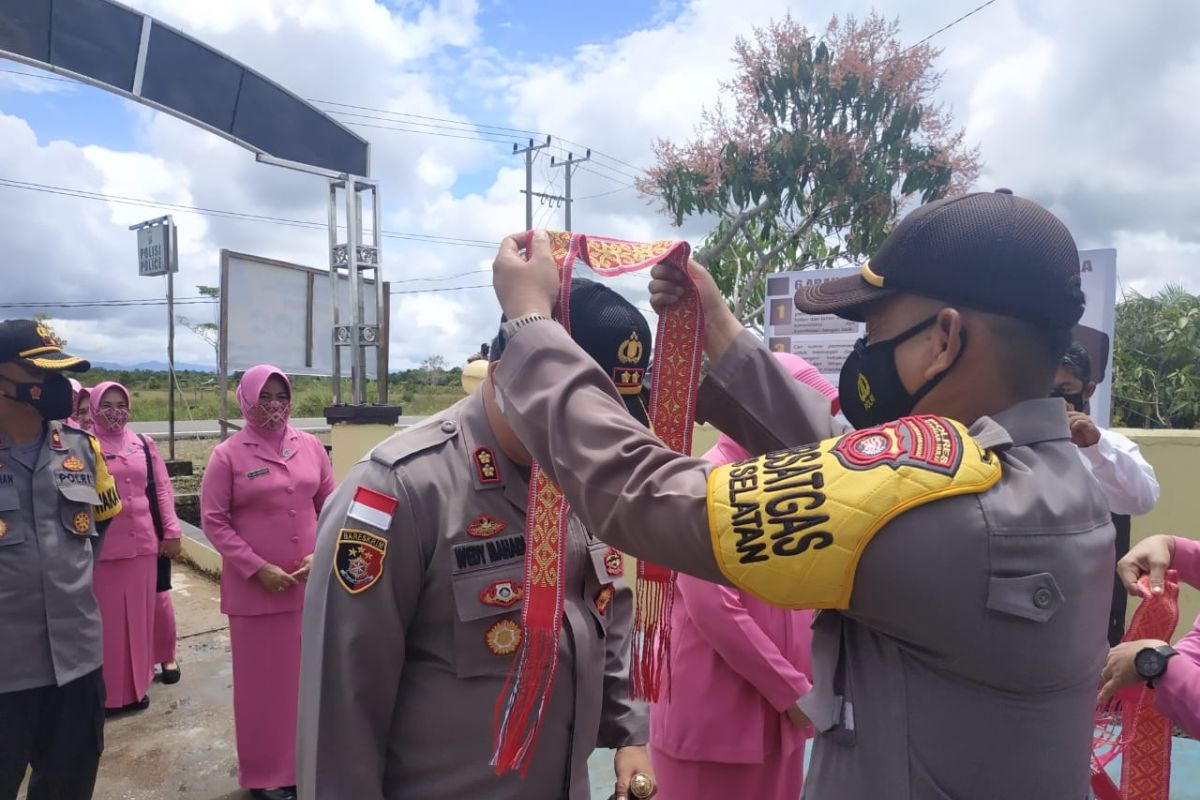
(182, 746)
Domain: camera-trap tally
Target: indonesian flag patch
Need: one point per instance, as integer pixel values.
(358, 560)
(372, 508)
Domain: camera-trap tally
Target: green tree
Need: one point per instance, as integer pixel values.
(814, 148)
(433, 370)
(210, 332)
(1156, 377)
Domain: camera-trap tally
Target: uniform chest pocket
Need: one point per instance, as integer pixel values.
(608, 564)
(75, 505)
(10, 509)
(487, 620)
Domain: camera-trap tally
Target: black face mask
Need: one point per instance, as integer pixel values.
(870, 389)
(1075, 400)
(51, 399)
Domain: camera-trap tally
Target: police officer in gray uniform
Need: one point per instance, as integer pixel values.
(56, 496)
(961, 552)
(412, 614)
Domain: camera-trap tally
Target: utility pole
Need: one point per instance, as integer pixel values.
(529, 150)
(567, 170)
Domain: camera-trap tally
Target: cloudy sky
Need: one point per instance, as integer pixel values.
(1089, 108)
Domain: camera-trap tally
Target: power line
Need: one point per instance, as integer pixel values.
(464, 123)
(945, 28)
(445, 289)
(186, 301)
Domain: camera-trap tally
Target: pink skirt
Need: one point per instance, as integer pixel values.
(125, 593)
(266, 691)
(780, 778)
(164, 629)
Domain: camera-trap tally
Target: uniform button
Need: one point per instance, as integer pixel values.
(292, 512)
(296, 539)
(291, 490)
(449, 427)
(1042, 598)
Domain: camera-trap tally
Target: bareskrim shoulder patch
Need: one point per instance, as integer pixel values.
(789, 527)
(358, 559)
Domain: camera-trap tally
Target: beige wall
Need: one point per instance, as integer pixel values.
(1175, 456)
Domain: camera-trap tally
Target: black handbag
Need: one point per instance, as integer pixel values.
(163, 580)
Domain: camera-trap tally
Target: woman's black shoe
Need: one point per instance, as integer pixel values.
(170, 676)
(281, 793)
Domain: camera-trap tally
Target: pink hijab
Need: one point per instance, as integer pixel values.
(726, 450)
(256, 416)
(113, 440)
(79, 399)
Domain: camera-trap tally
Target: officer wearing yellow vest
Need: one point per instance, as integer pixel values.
(960, 553)
(56, 496)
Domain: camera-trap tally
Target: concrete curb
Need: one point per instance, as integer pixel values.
(198, 552)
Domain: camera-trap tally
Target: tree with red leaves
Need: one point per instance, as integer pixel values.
(824, 141)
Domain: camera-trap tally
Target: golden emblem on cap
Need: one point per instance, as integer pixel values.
(82, 521)
(641, 786)
(48, 338)
(630, 351)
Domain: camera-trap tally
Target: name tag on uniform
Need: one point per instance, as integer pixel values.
(473, 555)
(258, 473)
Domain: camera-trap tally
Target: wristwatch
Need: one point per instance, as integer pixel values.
(1151, 663)
(510, 327)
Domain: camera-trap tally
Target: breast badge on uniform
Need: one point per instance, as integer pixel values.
(503, 638)
(73, 464)
(614, 562)
(502, 594)
(486, 526)
(358, 559)
(603, 598)
(486, 467)
(82, 522)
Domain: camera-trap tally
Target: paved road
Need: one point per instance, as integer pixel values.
(210, 427)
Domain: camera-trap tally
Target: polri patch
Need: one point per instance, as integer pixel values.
(503, 638)
(73, 464)
(502, 593)
(258, 473)
(603, 598)
(925, 442)
(486, 468)
(486, 526)
(358, 559)
(614, 562)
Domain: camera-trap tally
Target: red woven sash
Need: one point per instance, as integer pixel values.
(1145, 734)
(676, 374)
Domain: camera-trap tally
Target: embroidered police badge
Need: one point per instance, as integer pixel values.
(73, 464)
(502, 593)
(82, 522)
(358, 559)
(503, 638)
(485, 465)
(604, 598)
(925, 441)
(486, 526)
(614, 563)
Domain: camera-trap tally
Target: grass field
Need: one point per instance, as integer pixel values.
(151, 404)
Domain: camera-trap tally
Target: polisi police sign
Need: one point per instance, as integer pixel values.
(156, 247)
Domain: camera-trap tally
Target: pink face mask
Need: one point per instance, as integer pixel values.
(271, 415)
(112, 420)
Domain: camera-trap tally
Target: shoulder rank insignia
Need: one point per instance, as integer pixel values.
(358, 559)
(82, 522)
(3, 528)
(486, 468)
(56, 442)
(73, 464)
(503, 638)
(486, 526)
(502, 593)
(789, 527)
(603, 598)
(614, 562)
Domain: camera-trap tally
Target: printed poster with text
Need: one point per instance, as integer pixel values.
(825, 340)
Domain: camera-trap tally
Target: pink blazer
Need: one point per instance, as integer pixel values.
(1178, 695)
(131, 533)
(260, 507)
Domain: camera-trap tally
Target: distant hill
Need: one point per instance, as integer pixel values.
(154, 366)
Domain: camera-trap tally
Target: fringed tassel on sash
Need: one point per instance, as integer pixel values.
(651, 647)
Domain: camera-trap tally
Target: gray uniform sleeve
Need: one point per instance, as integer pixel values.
(623, 483)
(749, 396)
(623, 721)
(354, 647)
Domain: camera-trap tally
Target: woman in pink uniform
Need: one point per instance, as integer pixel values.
(728, 725)
(124, 577)
(259, 501)
(81, 412)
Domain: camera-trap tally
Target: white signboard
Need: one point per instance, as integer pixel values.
(279, 313)
(825, 340)
(154, 251)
